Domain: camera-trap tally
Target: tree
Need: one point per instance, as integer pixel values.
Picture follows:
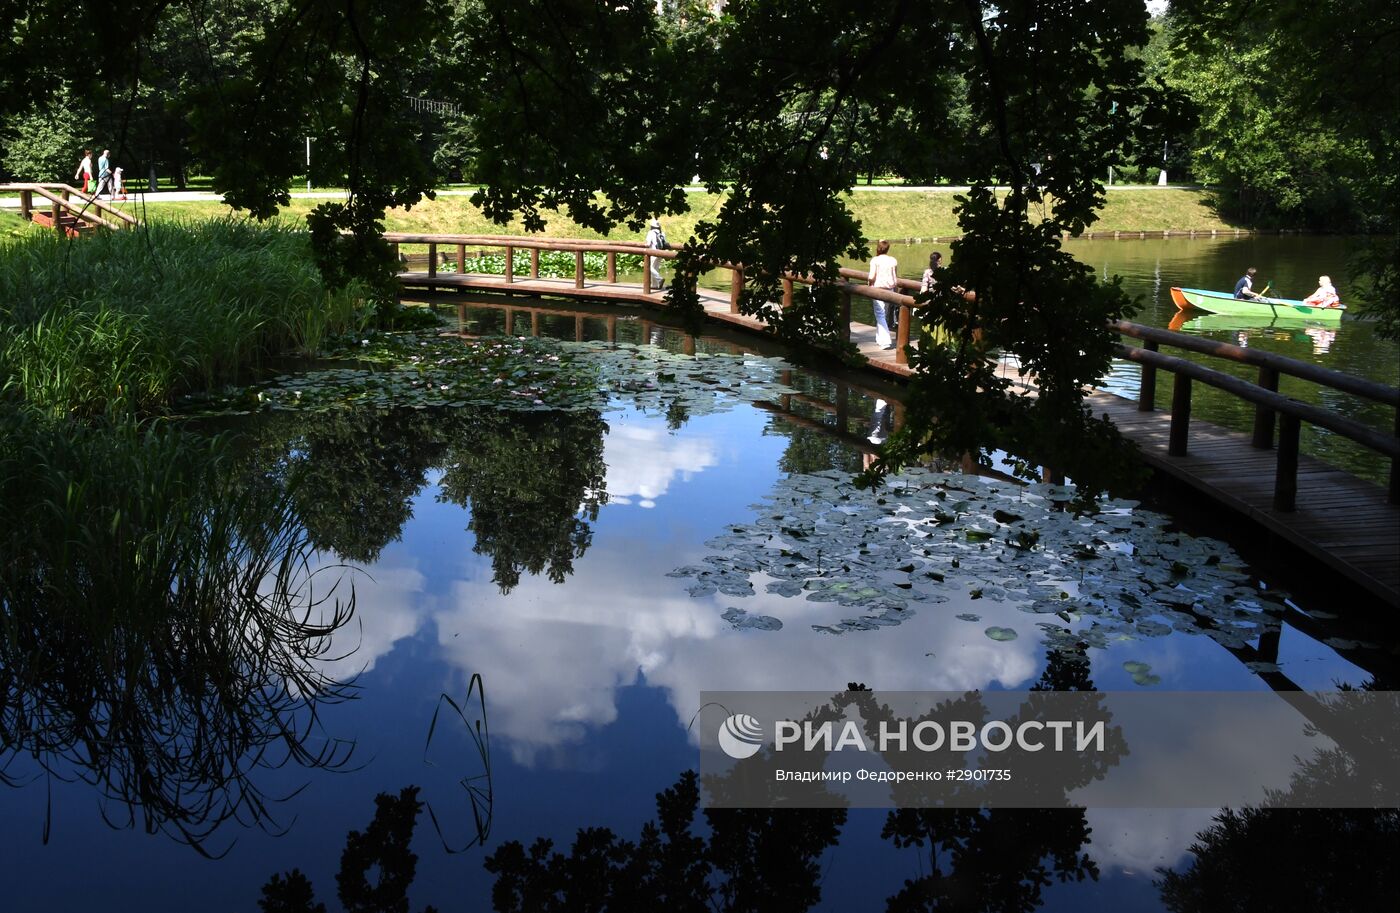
(605, 111)
(45, 142)
(1284, 136)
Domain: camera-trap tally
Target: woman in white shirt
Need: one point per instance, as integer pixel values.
(85, 171)
(883, 275)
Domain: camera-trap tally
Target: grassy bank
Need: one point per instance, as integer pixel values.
(131, 319)
(885, 214)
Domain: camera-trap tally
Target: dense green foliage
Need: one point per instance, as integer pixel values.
(1296, 119)
(130, 319)
(44, 143)
(604, 111)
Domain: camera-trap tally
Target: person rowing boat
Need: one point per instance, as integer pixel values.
(1244, 289)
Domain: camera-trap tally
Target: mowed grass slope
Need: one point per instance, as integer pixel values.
(884, 214)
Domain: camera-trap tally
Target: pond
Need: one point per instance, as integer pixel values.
(586, 556)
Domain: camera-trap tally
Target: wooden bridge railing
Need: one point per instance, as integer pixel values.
(63, 198)
(1268, 402)
(461, 243)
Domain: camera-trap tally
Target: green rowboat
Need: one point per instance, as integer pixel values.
(1269, 308)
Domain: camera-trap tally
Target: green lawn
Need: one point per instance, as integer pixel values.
(908, 214)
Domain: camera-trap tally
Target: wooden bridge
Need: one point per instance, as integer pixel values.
(69, 211)
(1349, 524)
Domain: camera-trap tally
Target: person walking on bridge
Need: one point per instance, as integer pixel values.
(883, 275)
(656, 239)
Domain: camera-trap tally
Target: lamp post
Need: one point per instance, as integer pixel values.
(308, 163)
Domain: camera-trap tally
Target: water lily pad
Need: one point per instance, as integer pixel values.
(998, 633)
(742, 620)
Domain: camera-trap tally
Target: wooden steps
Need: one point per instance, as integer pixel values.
(69, 224)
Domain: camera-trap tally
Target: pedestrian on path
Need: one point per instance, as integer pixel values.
(104, 173)
(656, 239)
(883, 275)
(85, 171)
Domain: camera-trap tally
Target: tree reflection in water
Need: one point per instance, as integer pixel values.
(1320, 860)
(159, 623)
(534, 481)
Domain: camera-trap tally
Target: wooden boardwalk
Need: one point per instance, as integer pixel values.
(1342, 521)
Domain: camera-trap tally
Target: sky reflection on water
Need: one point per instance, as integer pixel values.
(590, 685)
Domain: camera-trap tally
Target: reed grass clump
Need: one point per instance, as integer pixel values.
(131, 319)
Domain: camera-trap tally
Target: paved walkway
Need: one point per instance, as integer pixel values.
(205, 196)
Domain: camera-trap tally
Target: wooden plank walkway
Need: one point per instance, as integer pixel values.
(1341, 520)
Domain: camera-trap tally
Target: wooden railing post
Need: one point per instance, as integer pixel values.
(510, 321)
(612, 329)
(394, 252)
(534, 323)
(1263, 415)
(646, 274)
(578, 328)
(843, 405)
(1181, 415)
(26, 204)
(1147, 390)
(736, 288)
(846, 313)
(578, 269)
(534, 263)
(612, 267)
(56, 210)
(787, 292)
(901, 354)
(432, 259)
(461, 259)
(1286, 475)
(510, 264)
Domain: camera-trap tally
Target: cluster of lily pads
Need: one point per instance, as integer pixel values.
(1084, 578)
(422, 370)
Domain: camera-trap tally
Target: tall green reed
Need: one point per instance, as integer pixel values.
(131, 319)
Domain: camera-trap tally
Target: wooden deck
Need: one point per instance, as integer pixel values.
(1344, 522)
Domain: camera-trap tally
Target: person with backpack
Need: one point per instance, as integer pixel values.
(656, 240)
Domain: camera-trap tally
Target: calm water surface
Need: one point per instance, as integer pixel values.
(533, 550)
